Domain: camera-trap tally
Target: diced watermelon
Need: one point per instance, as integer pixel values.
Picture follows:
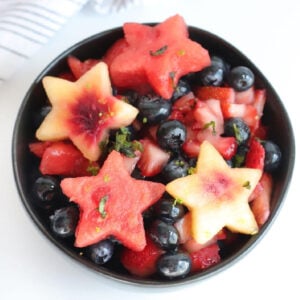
(38, 148)
(156, 57)
(78, 67)
(112, 203)
(255, 156)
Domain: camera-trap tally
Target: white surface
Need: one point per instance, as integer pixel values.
(32, 268)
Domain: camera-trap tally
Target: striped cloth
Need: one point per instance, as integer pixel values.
(27, 25)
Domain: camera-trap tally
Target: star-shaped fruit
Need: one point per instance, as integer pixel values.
(155, 57)
(84, 111)
(217, 195)
(111, 204)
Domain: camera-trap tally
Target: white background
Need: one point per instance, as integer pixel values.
(32, 268)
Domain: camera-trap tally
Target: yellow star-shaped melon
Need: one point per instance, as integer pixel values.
(84, 111)
(217, 195)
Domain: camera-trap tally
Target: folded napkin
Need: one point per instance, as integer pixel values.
(27, 25)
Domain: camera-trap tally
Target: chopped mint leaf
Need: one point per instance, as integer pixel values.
(237, 134)
(247, 185)
(92, 169)
(101, 207)
(211, 124)
(177, 201)
(159, 51)
(191, 170)
(172, 77)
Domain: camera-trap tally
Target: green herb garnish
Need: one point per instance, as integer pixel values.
(101, 207)
(124, 144)
(92, 169)
(211, 124)
(159, 51)
(177, 201)
(172, 77)
(247, 185)
(237, 134)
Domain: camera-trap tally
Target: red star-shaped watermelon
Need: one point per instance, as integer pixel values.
(111, 204)
(155, 57)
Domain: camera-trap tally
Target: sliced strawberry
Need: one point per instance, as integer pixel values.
(130, 162)
(255, 156)
(245, 111)
(186, 103)
(78, 67)
(224, 94)
(205, 257)
(67, 75)
(191, 147)
(245, 97)
(209, 114)
(38, 148)
(260, 205)
(153, 158)
(142, 263)
(259, 101)
(227, 146)
(61, 158)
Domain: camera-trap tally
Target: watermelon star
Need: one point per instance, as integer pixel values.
(84, 111)
(155, 57)
(111, 204)
(217, 195)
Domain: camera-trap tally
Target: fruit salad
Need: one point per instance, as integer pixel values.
(155, 155)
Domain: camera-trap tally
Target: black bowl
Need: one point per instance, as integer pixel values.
(25, 165)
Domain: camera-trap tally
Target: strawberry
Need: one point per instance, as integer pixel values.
(205, 257)
(260, 205)
(224, 94)
(79, 68)
(255, 156)
(38, 148)
(62, 158)
(153, 158)
(245, 97)
(142, 263)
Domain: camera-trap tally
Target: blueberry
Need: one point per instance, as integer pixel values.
(101, 252)
(237, 128)
(168, 211)
(153, 109)
(64, 221)
(181, 89)
(175, 168)
(272, 156)
(171, 135)
(46, 191)
(164, 235)
(174, 265)
(240, 78)
(214, 74)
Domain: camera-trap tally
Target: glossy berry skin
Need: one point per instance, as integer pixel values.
(171, 135)
(46, 191)
(100, 253)
(174, 265)
(272, 156)
(168, 211)
(237, 128)
(175, 168)
(181, 89)
(64, 221)
(214, 74)
(153, 109)
(164, 235)
(240, 78)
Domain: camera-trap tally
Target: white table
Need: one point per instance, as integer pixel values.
(32, 268)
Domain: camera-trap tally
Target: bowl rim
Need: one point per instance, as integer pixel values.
(228, 262)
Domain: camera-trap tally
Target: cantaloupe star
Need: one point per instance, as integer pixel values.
(84, 111)
(217, 195)
(111, 204)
